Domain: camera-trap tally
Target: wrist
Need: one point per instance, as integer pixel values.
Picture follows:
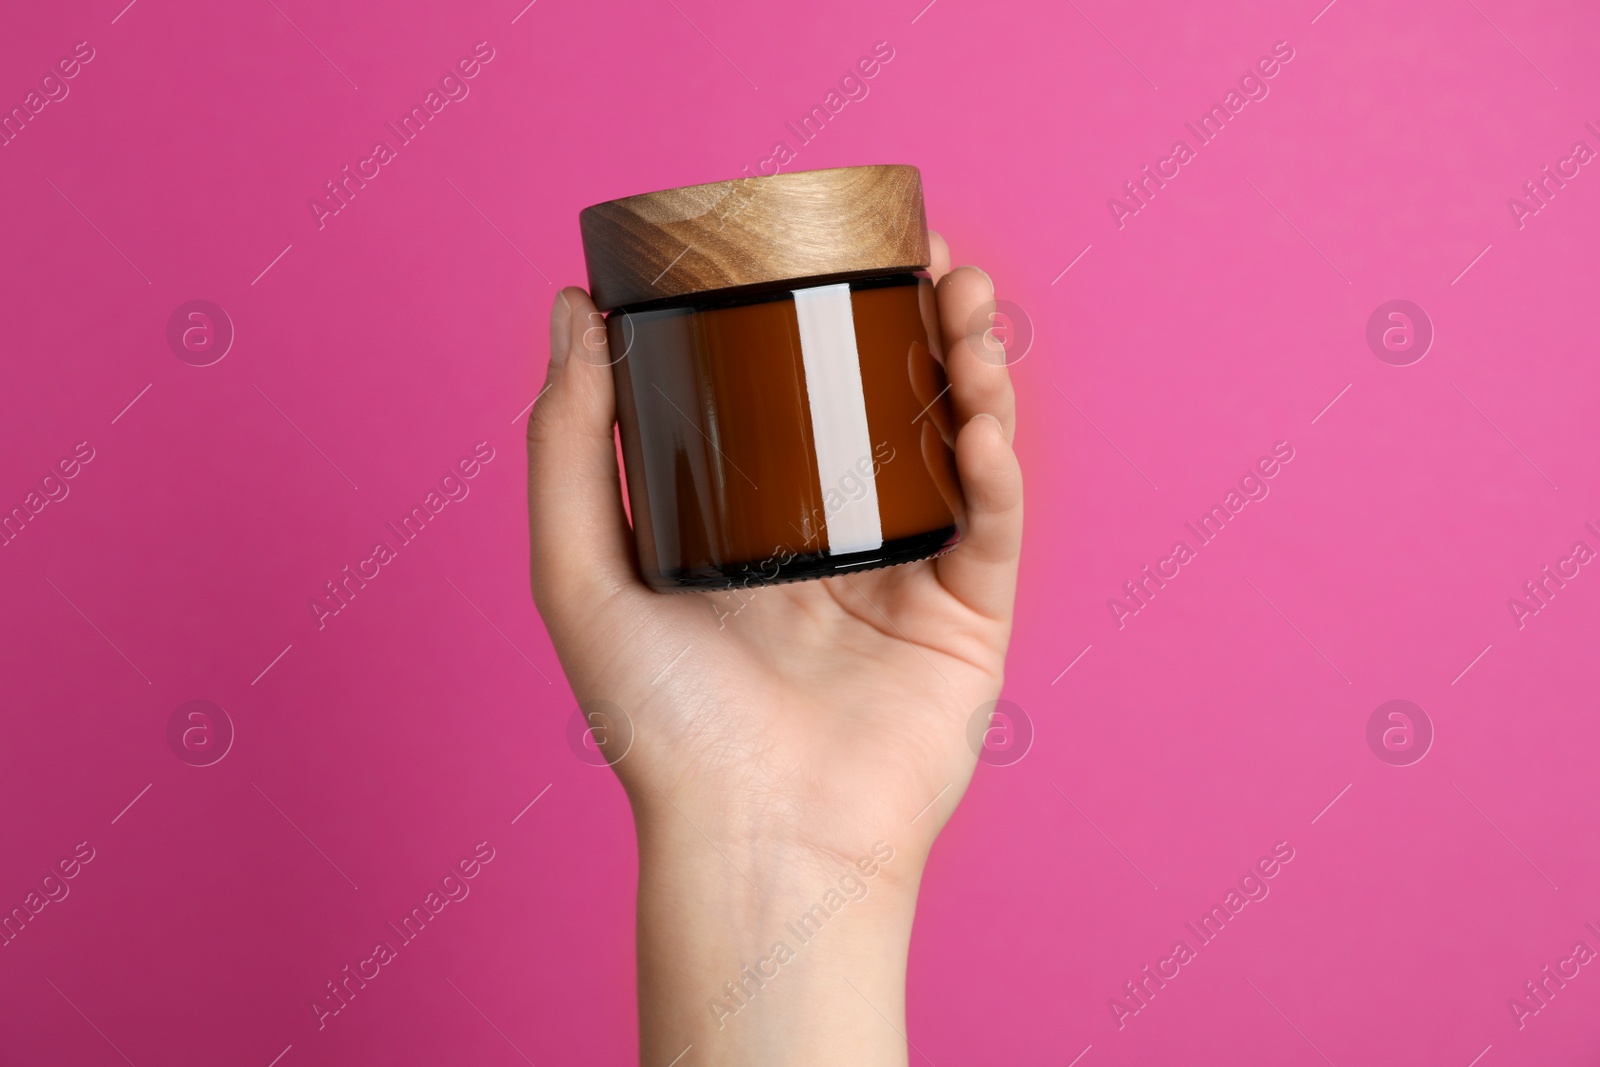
(741, 935)
(771, 850)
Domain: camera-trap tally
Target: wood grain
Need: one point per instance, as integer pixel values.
(748, 231)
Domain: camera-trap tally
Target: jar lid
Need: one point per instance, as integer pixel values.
(748, 231)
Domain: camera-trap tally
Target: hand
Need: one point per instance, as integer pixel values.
(774, 745)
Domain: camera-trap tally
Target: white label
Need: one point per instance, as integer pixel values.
(839, 417)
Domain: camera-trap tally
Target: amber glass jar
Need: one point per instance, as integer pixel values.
(780, 394)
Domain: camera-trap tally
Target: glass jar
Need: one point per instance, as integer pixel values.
(781, 398)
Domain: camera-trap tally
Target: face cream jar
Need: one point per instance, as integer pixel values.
(780, 390)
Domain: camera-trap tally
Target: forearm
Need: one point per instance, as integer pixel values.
(761, 954)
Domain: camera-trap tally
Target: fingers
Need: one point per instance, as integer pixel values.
(982, 570)
(928, 385)
(939, 264)
(980, 384)
(938, 456)
(578, 533)
(927, 303)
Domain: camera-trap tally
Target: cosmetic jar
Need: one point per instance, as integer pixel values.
(780, 390)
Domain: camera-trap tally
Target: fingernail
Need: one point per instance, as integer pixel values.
(983, 416)
(985, 274)
(560, 329)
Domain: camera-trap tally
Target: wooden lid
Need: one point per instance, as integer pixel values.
(748, 231)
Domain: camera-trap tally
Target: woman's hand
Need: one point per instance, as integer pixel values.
(779, 733)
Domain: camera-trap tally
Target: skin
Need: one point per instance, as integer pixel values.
(788, 739)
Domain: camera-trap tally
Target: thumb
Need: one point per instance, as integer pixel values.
(580, 551)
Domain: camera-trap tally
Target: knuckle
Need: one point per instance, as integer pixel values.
(543, 423)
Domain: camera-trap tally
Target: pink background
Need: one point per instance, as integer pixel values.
(376, 351)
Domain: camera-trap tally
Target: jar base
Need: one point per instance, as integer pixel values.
(805, 568)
